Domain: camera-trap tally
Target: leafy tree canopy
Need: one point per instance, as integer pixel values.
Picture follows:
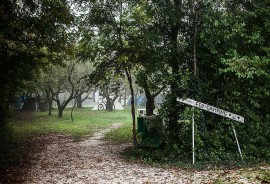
(29, 32)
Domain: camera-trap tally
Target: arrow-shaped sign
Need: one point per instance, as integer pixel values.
(212, 109)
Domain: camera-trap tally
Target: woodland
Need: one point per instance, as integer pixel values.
(212, 51)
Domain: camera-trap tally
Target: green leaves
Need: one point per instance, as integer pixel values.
(247, 67)
(161, 40)
(29, 35)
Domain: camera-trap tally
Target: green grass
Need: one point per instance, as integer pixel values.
(16, 137)
(86, 122)
(120, 135)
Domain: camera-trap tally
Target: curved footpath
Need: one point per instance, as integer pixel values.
(96, 161)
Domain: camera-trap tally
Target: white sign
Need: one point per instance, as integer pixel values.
(212, 109)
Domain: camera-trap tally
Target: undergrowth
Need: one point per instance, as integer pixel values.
(164, 157)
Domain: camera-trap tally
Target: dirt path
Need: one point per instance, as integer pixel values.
(95, 161)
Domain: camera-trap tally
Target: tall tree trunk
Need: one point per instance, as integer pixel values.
(128, 74)
(173, 113)
(195, 22)
(135, 100)
(71, 113)
(132, 105)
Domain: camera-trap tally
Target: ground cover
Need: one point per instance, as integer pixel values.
(86, 122)
(120, 135)
(96, 148)
(19, 138)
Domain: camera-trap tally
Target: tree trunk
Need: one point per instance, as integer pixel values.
(109, 105)
(60, 108)
(173, 112)
(42, 105)
(50, 106)
(135, 100)
(132, 105)
(195, 22)
(125, 98)
(49, 99)
(2, 118)
(120, 98)
(39, 104)
(150, 104)
(60, 112)
(79, 101)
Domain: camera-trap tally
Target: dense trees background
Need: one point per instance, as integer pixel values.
(29, 32)
(216, 52)
(64, 83)
(213, 51)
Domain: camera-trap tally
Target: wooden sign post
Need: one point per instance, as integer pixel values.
(214, 110)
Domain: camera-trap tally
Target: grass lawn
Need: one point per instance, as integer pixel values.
(86, 122)
(120, 135)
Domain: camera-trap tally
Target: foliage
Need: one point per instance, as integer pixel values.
(30, 31)
(216, 52)
(236, 78)
(110, 91)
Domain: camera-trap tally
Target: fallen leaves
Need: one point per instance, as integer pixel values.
(93, 161)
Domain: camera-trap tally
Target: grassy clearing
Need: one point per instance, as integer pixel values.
(86, 122)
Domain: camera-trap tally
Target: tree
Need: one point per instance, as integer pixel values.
(80, 99)
(152, 88)
(169, 34)
(27, 30)
(65, 83)
(110, 91)
(207, 50)
(103, 41)
(124, 93)
(231, 48)
(128, 44)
